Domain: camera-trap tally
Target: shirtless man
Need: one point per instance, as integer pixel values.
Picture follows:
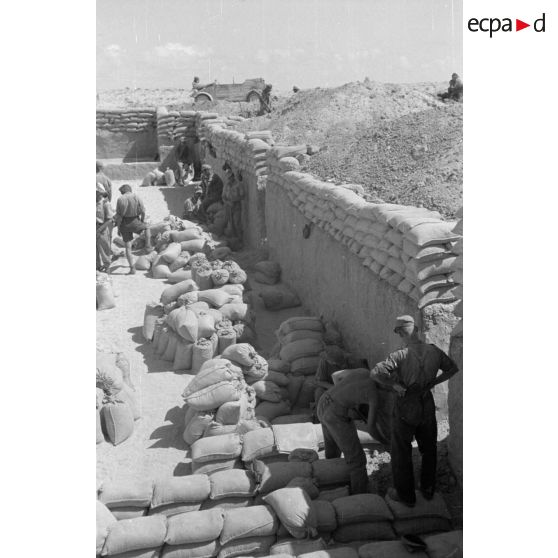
(340, 431)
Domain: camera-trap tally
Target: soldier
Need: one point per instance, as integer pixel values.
(412, 372)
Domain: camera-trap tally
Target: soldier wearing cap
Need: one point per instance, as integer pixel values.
(192, 205)
(212, 187)
(412, 372)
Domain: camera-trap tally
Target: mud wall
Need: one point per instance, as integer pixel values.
(127, 134)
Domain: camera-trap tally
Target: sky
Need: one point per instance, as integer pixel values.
(160, 44)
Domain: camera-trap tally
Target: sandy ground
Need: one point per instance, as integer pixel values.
(156, 448)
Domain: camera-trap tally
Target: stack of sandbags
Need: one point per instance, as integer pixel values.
(301, 342)
(294, 547)
(428, 516)
(216, 453)
(248, 532)
(127, 499)
(193, 534)
(117, 404)
(410, 248)
(231, 488)
(267, 272)
(172, 125)
(362, 517)
(176, 495)
(139, 536)
(130, 121)
(458, 266)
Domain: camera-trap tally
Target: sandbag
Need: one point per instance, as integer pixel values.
(149, 179)
(251, 546)
(258, 370)
(293, 507)
(135, 534)
(215, 297)
(307, 484)
(170, 350)
(184, 322)
(421, 525)
(160, 271)
(338, 552)
(118, 420)
(142, 263)
(361, 508)
(295, 547)
(302, 348)
(108, 376)
(235, 290)
(270, 411)
(172, 252)
(237, 276)
(235, 311)
(294, 388)
(162, 340)
(185, 235)
(175, 491)
(333, 493)
(279, 298)
(226, 337)
(194, 245)
(99, 430)
(331, 472)
(293, 419)
(219, 277)
(212, 372)
(267, 267)
(170, 294)
(153, 311)
(178, 264)
(242, 354)
(105, 295)
(183, 355)
(299, 334)
(260, 277)
(104, 520)
(214, 396)
(445, 544)
(367, 531)
(254, 521)
(201, 352)
(210, 467)
(303, 322)
(193, 550)
(179, 276)
(326, 522)
(216, 448)
(267, 391)
(195, 527)
(257, 444)
(232, 412)
(272, 476)
(195, 424)
(235, 483)
(279, 365)
(119, 494)
(206, 326)
(305, 366)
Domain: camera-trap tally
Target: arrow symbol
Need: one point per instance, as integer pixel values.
(519, 25)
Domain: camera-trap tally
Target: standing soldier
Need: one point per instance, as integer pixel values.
(412, 372)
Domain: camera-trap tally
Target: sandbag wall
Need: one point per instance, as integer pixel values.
(245, 153)
(238, 513)
(129, 134)
(171, 126)
(455, 393)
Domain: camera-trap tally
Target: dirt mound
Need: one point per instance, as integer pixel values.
(399, 141)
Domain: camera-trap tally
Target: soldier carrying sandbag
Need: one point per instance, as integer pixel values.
(411, 373)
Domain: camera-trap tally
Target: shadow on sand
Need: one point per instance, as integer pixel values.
(170, 435)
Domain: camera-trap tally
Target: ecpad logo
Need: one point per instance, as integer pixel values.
(494, 24)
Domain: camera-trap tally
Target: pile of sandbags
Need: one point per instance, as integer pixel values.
(267, 272)
(163, 176)
(135, 120)
(105, 294)
(246, 152)
(234, 513)
(174, 124)
(458, 266)
(300, 342)
(428, 516)
(410, 248)
(117, 403)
